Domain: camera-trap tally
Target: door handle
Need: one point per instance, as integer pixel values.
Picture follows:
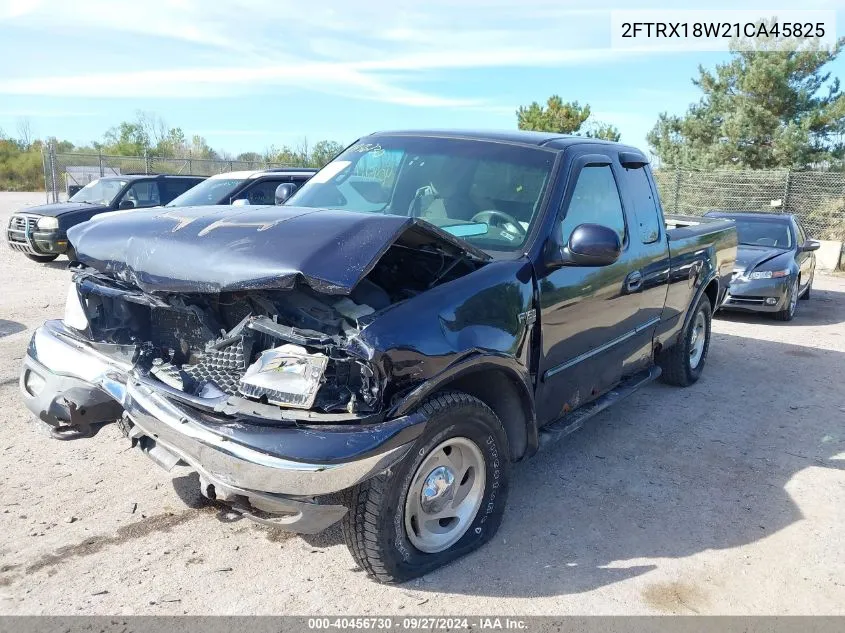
(634, 281)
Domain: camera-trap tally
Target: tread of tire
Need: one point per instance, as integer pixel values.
(673, 361)
(359, 526)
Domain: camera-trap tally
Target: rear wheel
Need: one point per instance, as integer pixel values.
(442, 501)
(683, 363)
(788, 313)
(42, 259)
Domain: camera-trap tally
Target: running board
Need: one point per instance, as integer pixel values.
(562, 427)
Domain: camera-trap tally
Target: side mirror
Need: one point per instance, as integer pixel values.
(589, 245)
(810, 245)
(240, 202)
(284, 191)
(126, 204)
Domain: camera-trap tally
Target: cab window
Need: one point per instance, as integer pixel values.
(644, 205)
(595, 200)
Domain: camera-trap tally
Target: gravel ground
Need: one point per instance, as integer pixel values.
(724, 498)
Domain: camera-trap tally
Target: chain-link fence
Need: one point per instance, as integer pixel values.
(67, 173)
(816, 197)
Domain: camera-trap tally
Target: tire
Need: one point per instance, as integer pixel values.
(42, 259)
(806, 294)
(788, 313)
(71, 253)
(382, 529)
(683, 363)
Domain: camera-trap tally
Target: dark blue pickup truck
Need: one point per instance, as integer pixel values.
(40, 232)
(428, 309)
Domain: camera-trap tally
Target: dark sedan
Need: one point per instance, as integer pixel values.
(775, 263)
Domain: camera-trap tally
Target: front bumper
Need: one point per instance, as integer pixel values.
(22, 235)
(276, 469)
(758, 295)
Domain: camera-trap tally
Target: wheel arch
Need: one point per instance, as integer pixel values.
(498, 384)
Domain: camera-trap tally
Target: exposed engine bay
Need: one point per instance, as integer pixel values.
(292, 348)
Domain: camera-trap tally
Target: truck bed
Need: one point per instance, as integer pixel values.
(699, 246)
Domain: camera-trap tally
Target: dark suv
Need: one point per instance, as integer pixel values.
(244, 187)
(41, 232)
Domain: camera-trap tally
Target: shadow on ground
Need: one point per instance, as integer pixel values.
(668, 473)
(10, 327)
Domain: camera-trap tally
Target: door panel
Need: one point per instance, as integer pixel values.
(598, 323)
(585, 311)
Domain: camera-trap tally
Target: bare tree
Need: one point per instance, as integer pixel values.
(24, 132)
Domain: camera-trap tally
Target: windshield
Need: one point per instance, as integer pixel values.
(210, 191)
(488, 193)
(763, 233)
(101, 191)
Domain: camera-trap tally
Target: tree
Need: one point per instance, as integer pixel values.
(126, 139)
(24, 132)
(767, 107)
(557, 116)
(604, 131)
(323, 152)
(564, 118)
(251, 157)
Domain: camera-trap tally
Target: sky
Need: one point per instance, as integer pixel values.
(250, 74)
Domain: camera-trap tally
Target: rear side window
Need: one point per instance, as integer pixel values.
(595, 200)
(645, 206)
(175, 187)
(143, 194)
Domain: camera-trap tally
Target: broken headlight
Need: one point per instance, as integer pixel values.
(75, 316)
(287, 375)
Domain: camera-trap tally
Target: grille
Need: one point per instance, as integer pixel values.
(224, 367)
(20, 225)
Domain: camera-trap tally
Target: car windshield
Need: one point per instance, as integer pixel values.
(210, 191)
(763, 233)
(101, 191)
(487, 193)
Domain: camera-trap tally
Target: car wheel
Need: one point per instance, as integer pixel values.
(683, 363)
(788, 313)
(42, 259)
(71, 253)
(443, 500)
(806, 294)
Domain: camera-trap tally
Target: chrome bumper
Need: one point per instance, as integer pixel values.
(234, 462)
(22, 235)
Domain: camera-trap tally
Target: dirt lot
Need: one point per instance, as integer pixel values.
(728, 497)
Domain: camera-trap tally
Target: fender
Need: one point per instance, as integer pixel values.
(473, 364)
(702, 286)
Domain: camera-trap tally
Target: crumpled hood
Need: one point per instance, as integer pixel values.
(217, 249)
(748, 256)
(56, 209)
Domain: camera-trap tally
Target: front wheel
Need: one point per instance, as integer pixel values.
(806, 294)
(42, 259)
(788, 313)
(683, 363)
(443, 500)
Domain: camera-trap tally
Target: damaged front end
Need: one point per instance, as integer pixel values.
(289, 349)
(268, 390)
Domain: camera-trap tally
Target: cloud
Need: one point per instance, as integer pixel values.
(375, 52)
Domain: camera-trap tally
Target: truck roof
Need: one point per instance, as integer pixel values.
(523, 137)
